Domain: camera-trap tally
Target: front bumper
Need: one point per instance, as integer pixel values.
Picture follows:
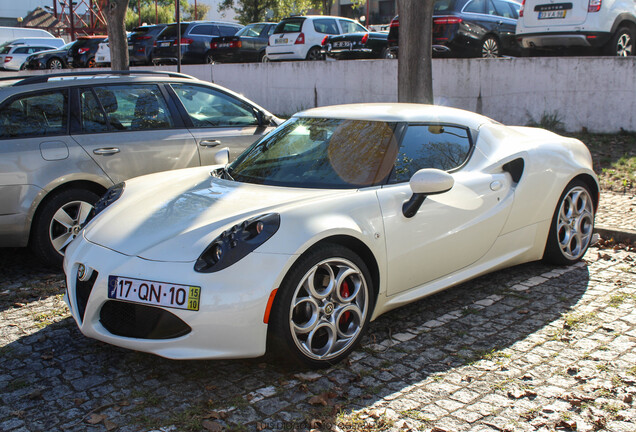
(228, 324)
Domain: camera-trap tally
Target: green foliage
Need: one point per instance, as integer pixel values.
(249, 11)
(164, 13)
(551, 121)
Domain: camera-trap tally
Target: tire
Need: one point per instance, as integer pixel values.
(314, 54)
(265, 59)
(55, 63)
(261, 57)
(327, 323)
(209, 59)
(572, 225)
(490, 47)
(91, 63)
(58, 221)
(622, 43)
(387, 54)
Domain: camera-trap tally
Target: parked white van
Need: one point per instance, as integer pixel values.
(11, 33)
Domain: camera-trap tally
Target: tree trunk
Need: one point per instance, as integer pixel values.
(115, 14)
(415, 66)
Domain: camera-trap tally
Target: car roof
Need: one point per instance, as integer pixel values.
(398, 112)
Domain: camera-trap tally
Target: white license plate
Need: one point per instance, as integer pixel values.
(223, 45)
(165, 44)
(280, 41)
(552, 14)
(154, 293)
(100, 58)
(342, 44)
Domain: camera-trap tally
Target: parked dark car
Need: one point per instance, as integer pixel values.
(140, 43)
(195, 40)
(247, 45)
(356, 46)
(82, 53)
(471, 28)
(50, 59)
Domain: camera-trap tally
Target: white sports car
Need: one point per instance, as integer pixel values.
(337, 216)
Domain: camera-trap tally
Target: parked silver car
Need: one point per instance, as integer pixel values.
(66, 138)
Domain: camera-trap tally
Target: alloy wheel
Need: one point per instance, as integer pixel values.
(55, 64)
(67, 222)
(490, 48)
(329, 309)
(575, 224)
(624, 45)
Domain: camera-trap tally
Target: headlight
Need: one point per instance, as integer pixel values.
(112, 194)
(234, 244)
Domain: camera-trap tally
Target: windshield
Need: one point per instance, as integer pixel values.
(320, 153)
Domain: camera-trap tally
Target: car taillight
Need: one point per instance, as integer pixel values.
(447, 20)
(7, 59)
(365, 38)
(594, 5)
(184, 41)
(83, 50)
(523, 6)
(395, 22)
(300, 39)
(324, 40)
(154, 44)
(143, 37)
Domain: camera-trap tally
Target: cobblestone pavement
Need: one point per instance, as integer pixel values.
(529, 348)
(617, 211)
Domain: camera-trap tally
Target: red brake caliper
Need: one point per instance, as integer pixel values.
(345, 293)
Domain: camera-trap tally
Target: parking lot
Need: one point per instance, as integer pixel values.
(533, 347)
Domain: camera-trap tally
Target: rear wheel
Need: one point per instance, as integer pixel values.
(209, 59)
(622, 43)
(490, 47)
(572, 225)
(314, 54)
(387, 54)
(91, 62)
(323, 307)
(55, 63)
(58, 221)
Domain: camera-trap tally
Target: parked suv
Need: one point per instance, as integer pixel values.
(141, 41)
(65, 141)
(195, 40)
(300, 37)
(469, 28)
(606, 24)
(82, 52)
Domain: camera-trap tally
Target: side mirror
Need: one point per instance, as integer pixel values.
(427, 181)
(222, 157)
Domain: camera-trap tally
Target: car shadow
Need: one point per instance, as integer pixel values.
(56, 377)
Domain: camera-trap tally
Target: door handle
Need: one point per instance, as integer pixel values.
(106, 151)
(209, 143)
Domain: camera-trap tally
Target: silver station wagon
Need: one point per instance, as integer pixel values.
(66, 138)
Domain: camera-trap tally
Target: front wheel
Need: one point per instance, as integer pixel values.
(323, 307)
(572, 225)
(58, 221)
(209, 59)
(55, 63)
(91, 63)
(622, 43)
(490, 47)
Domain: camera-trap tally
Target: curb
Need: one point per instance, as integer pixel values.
(619, 235)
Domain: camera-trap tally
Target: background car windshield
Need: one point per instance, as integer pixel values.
(320, 153)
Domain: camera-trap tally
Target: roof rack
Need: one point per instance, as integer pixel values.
(45, 78)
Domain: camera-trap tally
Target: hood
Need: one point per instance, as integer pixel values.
(173, 216)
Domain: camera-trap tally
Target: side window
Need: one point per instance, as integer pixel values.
(211, 108)
(502, 9)
(92, 115)
(326, 26)
(205, 29)
(228, 30)
(22, 50)
(515, 7)
(430, 146)
(43, 114)
(476, 6)
(127, 107)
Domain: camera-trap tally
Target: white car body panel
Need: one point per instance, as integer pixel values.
(487, 221)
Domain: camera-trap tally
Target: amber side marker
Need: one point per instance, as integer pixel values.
(270, 301)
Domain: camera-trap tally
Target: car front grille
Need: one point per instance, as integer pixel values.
(141, 321)
(82, 293)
